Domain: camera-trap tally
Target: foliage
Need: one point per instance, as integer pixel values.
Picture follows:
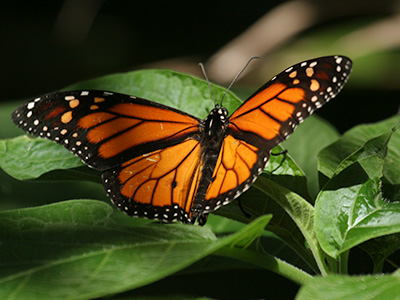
(80, 248)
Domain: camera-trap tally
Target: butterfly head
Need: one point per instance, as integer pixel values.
(216, 120)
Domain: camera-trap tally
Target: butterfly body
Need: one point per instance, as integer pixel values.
(212, 133)
(161, 163)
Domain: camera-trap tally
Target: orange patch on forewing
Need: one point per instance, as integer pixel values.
(142, 133)
(98, 99)
(55, 112)
(66, 117)
(94, 119)
(149, 112)
(94, 107)
(74, 103)
(314, 86)
(279, 110)
(257, 100)
(110, 128)
(258, 123)
(296, 81)
(261, 123)
(293, 74)
(310, 71)
(293, 95)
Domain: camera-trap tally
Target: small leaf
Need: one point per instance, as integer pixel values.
(350, 209)
(335, 287)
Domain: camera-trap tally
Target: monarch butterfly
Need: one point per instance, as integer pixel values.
(162, 163)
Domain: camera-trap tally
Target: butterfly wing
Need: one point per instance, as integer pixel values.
(150, 153)
(267, 118)
(104, 128)
(158, 185)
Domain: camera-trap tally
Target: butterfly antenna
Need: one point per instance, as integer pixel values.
(237, 76)
(208, 81)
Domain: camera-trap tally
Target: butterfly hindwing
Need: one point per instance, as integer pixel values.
(157, 185)
(237, 167)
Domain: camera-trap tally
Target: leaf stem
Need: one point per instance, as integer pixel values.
(343, 262)
(266, 261)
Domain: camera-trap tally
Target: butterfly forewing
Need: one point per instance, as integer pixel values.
(273, 112)
(104, 129)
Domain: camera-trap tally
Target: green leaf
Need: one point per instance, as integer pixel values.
(350, 209)
(8, 128)
(302, 214)
(332, 156)
(77, 250)
(24, 157)
(379, 249)
(335, 287)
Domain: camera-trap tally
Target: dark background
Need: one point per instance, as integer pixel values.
(47, 45)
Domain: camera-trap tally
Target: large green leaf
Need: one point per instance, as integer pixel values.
(350, 209)
(335, 287)
(77, 250)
